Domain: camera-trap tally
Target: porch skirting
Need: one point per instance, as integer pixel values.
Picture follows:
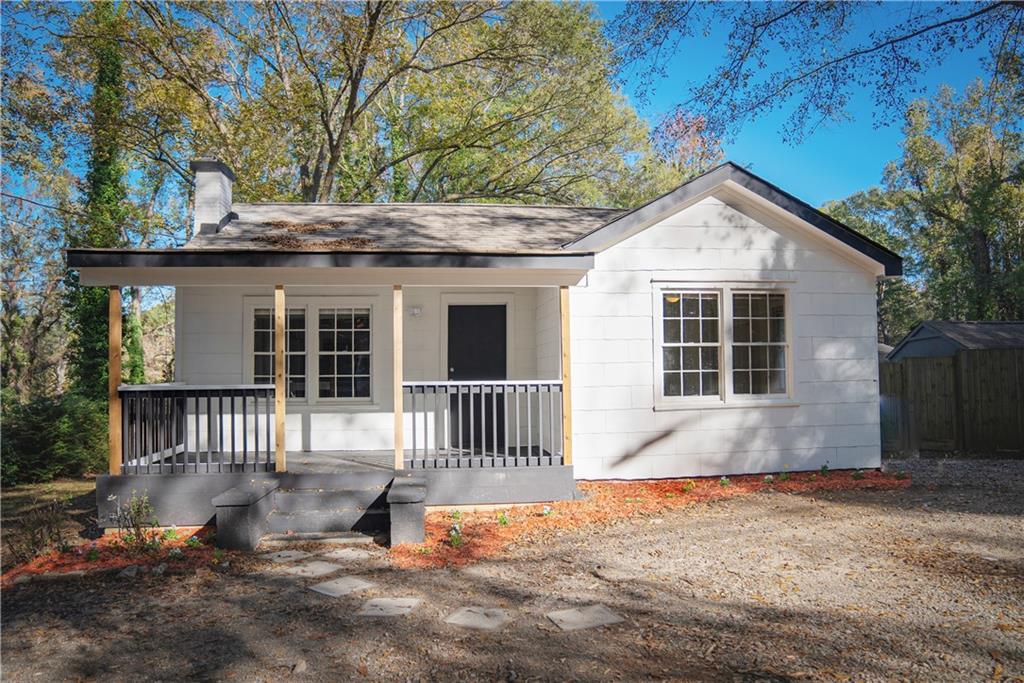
(185, 499)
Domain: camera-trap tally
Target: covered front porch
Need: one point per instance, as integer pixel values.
(456, 377)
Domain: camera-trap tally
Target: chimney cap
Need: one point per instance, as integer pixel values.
(208, 164)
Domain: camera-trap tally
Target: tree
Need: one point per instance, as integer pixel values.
(105, 213)
(953, 205)
(825, 51)
(900, 300)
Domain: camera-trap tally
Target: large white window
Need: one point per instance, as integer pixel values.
(720, 345)
(328, 348)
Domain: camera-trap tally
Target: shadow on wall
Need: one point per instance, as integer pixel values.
(768, 439)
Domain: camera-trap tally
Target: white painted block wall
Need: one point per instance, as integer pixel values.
(834, 417)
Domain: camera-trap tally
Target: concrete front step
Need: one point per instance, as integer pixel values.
(309, 500)
(342, 519)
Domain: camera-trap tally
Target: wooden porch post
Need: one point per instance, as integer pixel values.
(396, 344)
(280, 465)
(563, 309)
(114, 380)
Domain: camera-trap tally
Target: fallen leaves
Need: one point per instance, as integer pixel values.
(606, 503)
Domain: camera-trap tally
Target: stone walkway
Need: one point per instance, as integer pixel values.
(299, 564)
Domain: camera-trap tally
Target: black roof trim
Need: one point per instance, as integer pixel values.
(249, 258)
(706, 182)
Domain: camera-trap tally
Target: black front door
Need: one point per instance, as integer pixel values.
(477, 351)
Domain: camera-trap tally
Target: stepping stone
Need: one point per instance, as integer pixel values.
(337, 588)
(388, 607)
(484, 618)
(584, 617)
(349, 554)
(312, 570)
(285, 555)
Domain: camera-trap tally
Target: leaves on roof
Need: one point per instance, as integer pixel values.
(285, 235)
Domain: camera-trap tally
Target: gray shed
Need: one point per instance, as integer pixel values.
(943, 338)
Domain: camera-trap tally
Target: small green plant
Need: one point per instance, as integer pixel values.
(689, 485)
(92, 554)
(813, 477)
(218, 556)
(724, 481)
(547, 511)
(670, 495)
(769, 479)
(424, 550)
(456, 515)
(824, 470)
(193, 542)
(857, 475)
(175, 554)
(170, 533)
(64, 546)
(503, 519)
(634, 500)
(784, 476)
(900, 474)
(455, 535)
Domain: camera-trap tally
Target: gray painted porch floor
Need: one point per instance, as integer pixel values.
(334, 462)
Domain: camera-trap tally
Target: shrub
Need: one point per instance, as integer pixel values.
(48, 437)
(824, 470)
(784, 476)
(136, 520)
(724, 481)
(170, 533)
(38, 529)
(194, 542)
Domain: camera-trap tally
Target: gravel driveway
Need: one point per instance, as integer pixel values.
(925, 584)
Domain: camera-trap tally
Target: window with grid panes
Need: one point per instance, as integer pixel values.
(295, 349)
(343, 356)
(758, 343)
(690, 343)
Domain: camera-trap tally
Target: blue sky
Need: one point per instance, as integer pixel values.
(832, 163)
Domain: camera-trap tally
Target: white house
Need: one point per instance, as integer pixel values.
(725, 327)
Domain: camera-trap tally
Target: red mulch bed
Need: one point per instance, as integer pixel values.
(113, 555)
(606, 502)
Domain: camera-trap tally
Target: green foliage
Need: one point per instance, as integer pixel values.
(503, 519)
(455, 535)
(783, 476)
(857, 475)
(136, 363)
(105, 195)
(951, 205)
(689, 485)
(724, 481)
(824, 470)
(194, 542)
(47, 437)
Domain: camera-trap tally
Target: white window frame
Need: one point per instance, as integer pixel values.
(727, 398)
(312, 304)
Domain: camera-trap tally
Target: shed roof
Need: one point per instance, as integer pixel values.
(491, 228)
(1001, 334)
(997, 334)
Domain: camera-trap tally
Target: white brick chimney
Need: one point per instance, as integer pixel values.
(213, 195)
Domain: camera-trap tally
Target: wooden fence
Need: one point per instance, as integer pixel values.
(970, 403)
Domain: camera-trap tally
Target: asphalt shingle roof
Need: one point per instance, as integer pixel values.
(981, 335)
(405, 227)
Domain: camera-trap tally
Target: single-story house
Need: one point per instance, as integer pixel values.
(485, 353)
(943, 338)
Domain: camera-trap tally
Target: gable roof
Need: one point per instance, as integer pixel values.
(999, 334)
(632, 221)
(476, 228)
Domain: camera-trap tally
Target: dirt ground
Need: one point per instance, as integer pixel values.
(923, 584)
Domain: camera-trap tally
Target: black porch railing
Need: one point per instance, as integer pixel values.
(172, 428)
(484, 424)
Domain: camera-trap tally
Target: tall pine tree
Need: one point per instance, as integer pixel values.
(104, 206)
